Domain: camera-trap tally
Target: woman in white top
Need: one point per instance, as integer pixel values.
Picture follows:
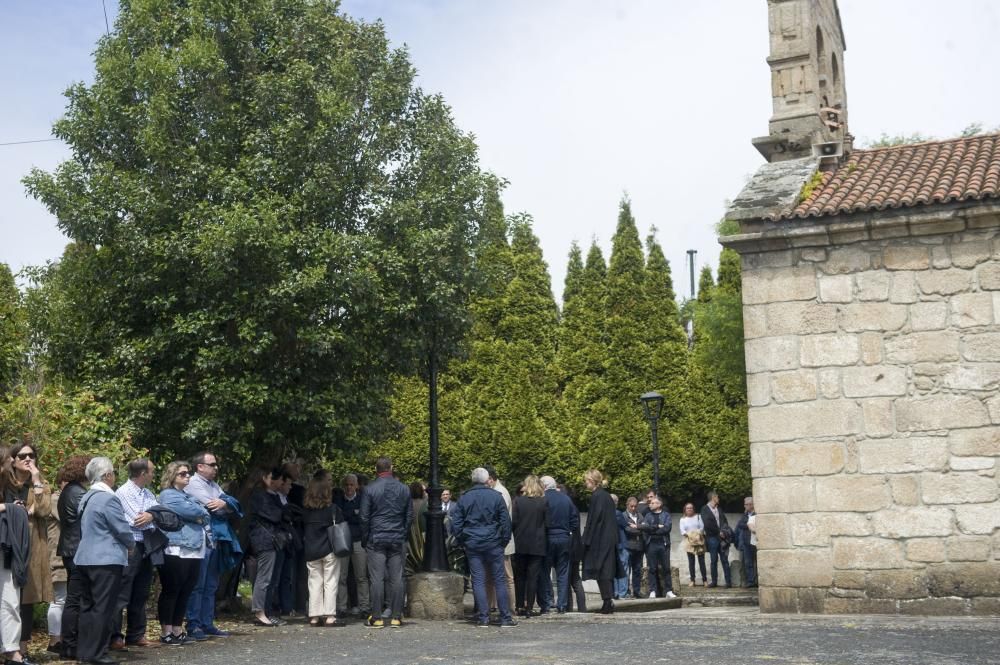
(693, 533)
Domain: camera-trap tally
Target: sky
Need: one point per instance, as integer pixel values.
(575, 102)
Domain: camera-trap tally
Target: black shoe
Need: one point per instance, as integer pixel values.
(712, 585)
(607, 608)
(56, 648)
(482, 624)
(100, 660)
(509, 623)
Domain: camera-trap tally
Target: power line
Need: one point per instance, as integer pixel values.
(107, 28)
(30, 141)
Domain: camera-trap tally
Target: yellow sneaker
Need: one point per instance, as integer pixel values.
(395, 623)
(376, 623)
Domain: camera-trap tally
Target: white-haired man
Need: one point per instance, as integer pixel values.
(480, 522)
(561, 519)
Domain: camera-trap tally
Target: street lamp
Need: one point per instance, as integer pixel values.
(435, 549)
(652, 407)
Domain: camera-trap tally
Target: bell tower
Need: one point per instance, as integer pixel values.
(807, 81)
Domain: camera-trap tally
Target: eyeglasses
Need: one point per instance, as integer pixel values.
(183, 474)
(24, 456)
(214, 465)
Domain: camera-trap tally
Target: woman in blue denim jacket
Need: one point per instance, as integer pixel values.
(183, 555)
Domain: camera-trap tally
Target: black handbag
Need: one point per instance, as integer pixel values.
(340, 538)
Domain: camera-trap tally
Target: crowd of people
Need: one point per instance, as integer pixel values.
(328, 551)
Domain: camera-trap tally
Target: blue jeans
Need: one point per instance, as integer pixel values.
(558, 557)
(621, 583)
(479, 562)
(717, 551)
(201, 604)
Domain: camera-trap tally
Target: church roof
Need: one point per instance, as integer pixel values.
(920, 174)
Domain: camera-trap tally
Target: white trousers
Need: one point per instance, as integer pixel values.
(324, 578)
(56, 608)
(10, 612)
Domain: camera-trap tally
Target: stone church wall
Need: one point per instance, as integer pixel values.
(873, 362)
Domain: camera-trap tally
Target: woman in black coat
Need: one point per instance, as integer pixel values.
(600, 540)
(528, 522)
(269, 535)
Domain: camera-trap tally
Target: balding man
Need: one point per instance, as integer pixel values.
(350, 505)
(481, 522)
(747, 544)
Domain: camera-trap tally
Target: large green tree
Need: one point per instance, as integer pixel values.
(270, 222)
(12, 331)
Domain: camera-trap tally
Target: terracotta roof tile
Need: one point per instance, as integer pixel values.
(964, 169)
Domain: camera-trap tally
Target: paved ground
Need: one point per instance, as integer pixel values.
(695, 636)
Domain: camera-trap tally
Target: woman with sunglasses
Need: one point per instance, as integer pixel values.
(184, 553)
(27, 486)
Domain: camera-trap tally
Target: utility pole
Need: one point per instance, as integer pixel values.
(691, 257)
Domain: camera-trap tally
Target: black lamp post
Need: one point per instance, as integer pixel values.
(435, 552)
(652, 407)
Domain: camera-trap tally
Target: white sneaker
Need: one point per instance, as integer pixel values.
(652, 594)
(671, 594)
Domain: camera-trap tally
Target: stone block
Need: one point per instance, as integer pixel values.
(784, 495)
(971, 463)
(877, 414)
(436, 596)
(982, 347)
(932, 315)
(957, 488)
(978, 519)
(944, 282)
(904, 288)
(829, 382)
(812, 601)
(768, 285)
(836, 289)
(925, 347)
(937, 227)
(918, 522)
(849, 579)
(925, 550)
(940, 257)
(993, 405)
(981, 376)
(827, 350)
(846, 260)
(773, 532)
(779, 259)
(970, 254)
(969, 548)
(907, 583)
(787, 422)
(933, 607)
(758, 389)
(877, 381)
(816, 529)
(799, 567)
(867, 553)
(778, 600)
(985, 607)
(815, 458)
(972, 309)
(906, 257)
(852, 493)
(795, 386)
(755, 321)
(762, 459)
(989, 277)
(871, 348)
(800, 318)
(983, 441)
(873, 285)
(882, 316)
(905, 490)
(771, 354)
(903, 455)
(996, 307)
(966, 580)
(813, 254)
(855, 606)
(939, 412)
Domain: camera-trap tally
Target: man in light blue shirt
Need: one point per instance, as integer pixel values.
(201, 605)
(138, 575)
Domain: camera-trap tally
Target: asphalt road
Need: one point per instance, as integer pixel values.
(688, 637)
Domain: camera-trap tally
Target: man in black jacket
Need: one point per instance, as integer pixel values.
(350, 505)
(748, 551)
(481, 523)
(386, 515)
(562, 519)
(715, 524)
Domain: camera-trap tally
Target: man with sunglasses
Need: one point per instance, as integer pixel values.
(201, 606)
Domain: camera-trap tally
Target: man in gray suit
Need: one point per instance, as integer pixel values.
(105, 545)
